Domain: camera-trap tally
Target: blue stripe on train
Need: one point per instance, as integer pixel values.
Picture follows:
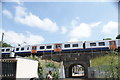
(22, 52)
(72, 49)
(87, 49)
(5, 53)
(45, 51)
(17, 52)
(105, 48)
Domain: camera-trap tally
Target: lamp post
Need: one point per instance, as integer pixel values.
(1, 56)
(1, 45)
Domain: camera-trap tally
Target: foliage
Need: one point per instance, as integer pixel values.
(50, 64)
(104, 60)
(107, 63)
(5, 45)
(56, 75)
(118, 36)
(107, 39)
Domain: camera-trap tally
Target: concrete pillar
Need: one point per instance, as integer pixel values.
(66, 71)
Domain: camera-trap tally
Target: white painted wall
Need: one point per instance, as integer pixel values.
(26, 68)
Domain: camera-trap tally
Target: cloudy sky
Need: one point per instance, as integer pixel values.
(54, 22)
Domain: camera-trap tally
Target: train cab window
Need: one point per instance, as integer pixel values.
(112, 43)
(17, 49)
(58, 46)
(3, 50)
(92, 44)
(67, 45)
(34, 47)
(7, 50)
(49, 47)
(101, 43)
(74, 45)
(22, 48)
(42, 47)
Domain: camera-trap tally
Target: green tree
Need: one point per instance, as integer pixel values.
(118, 36)
(5, 44)
(107, 39)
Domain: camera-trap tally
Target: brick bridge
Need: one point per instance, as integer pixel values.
(71, 59)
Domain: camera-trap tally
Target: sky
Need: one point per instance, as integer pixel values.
(29, 23)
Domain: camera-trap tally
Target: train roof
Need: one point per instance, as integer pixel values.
(58, 43)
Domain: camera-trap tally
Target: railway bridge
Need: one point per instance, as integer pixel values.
(72, 59)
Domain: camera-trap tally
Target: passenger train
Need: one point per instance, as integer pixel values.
(67, 47)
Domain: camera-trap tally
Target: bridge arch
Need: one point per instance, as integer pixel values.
(69, 65)
(77, 70)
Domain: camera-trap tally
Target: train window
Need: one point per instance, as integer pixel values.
(22, 48)
(27, 48)
(101, 43)
(74, 45)
(7, 50)
(17, 49)
(42, 47)
(3, 50)
(67, 45)
(49, 47)
(92, 44)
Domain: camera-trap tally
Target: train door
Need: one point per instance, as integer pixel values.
(34, 49)
(58, 48)
(112, 45)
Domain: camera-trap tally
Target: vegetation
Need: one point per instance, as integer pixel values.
(108, 64)
(107, 39)
(105, 60)
(118, 36)
(5, 44)
(45, 65)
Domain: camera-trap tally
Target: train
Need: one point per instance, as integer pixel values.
(66, 47)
